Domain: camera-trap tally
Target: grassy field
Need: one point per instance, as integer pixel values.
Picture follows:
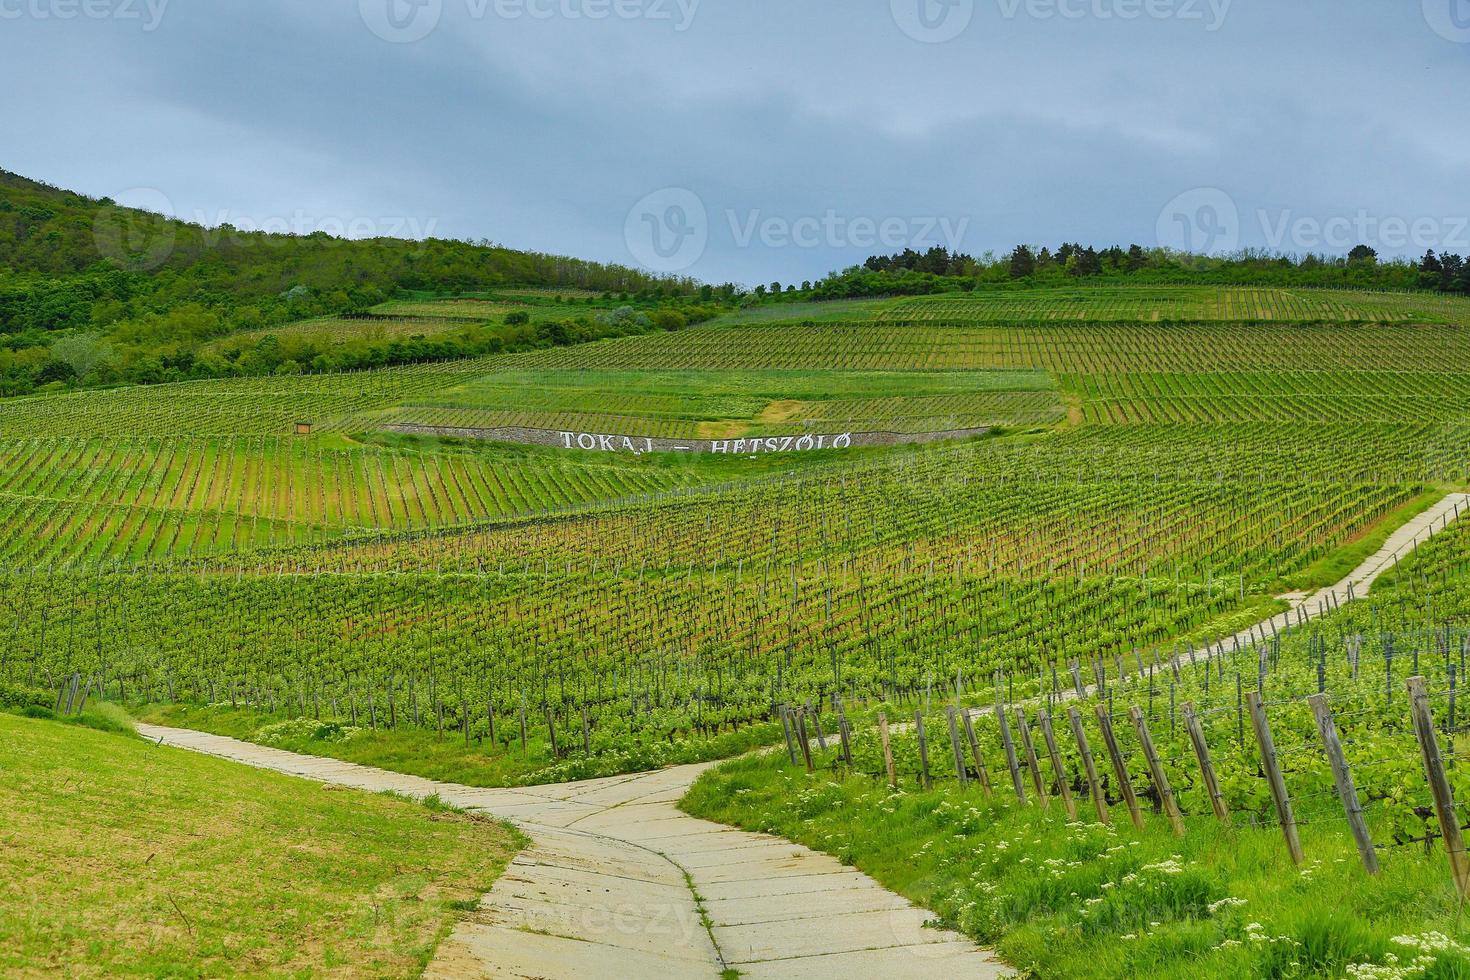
(724, 404)
(325, 331)
(125, 859)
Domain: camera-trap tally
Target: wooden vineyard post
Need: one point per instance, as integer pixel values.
(1031, 761)
(1156, 769)
(1284, 813)
(887, 749)
(845, 734)
(1206, 767)
(1043, 720)
(1343, 778)
(959, 752)
(802, 739)
(790, 736)
(923, 748)
(1444, 798)
(1089, 767)
(551, 733)
(1120, 768)
(1010, 747)
(817, 726)
(980, 770)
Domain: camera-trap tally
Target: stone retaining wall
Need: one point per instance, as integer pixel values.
(638, 445)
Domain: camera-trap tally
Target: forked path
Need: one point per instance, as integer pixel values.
(618, 882)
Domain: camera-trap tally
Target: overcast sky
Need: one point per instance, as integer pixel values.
(752, 140)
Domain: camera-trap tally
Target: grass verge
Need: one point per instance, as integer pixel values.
(422, 752)
(1337, 565)
(122, 858)
(1079, 900)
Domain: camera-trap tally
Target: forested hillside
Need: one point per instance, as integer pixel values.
(136, 295)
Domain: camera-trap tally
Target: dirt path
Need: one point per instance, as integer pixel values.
(619, 883)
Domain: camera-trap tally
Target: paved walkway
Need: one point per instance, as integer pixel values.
(1400, 544)
(618, 883)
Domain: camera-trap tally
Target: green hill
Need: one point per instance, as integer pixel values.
(97, 293)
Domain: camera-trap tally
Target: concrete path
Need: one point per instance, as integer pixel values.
(619, 883)
(1400, 544)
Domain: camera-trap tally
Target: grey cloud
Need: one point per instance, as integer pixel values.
(541, 133)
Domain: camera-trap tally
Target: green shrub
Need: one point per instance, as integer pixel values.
(18, 697)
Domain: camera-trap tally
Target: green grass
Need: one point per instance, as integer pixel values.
(1078, 900)
(422, 752)
(122, 858)
(1340, 563)
(720, 404)
(819, 311)
(324, 332)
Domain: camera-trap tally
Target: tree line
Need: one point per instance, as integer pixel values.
(936, 270)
